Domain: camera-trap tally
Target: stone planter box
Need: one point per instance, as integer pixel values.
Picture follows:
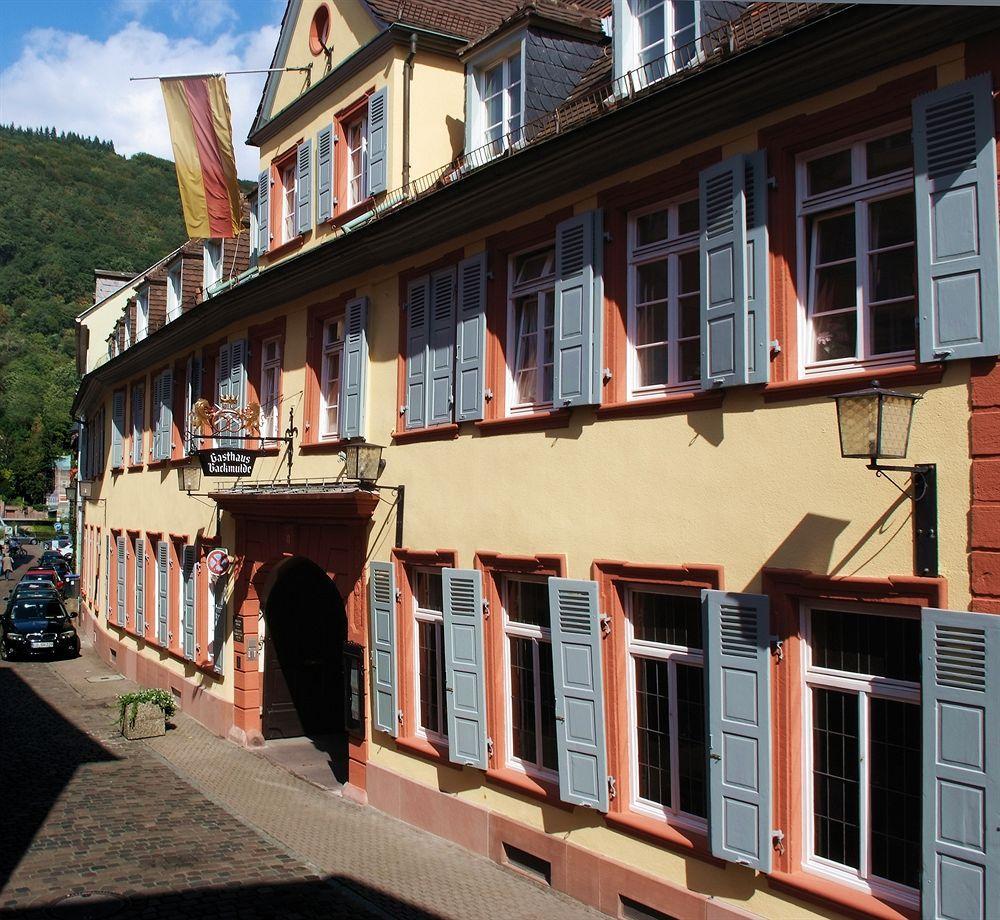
(149, 722)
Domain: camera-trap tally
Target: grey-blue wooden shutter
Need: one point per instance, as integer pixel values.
(263, 211)
(378, 127)
(470, 359)
(960, 711)
(577, 310)
(118, 428)
(723, 247)
(138, 421)
(238, 372)
(224, 377)
(162, 590)
(154, 419)
(140, 585)
(352, 415)
(187, 576)
(758, 287)
(236, 387)
(738, 695)
(382, 621)
(218, 595)
(120, 582)
(578, 678)
(958, 243)
(324, 174)
(303, 186)
(417, 308)
(465, 667)
(441, 348)
(166, 413)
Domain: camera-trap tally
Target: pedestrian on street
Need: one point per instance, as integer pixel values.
(6, 563)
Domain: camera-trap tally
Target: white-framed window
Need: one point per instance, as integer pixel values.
(428, 640)
(666, 704)
(288, 202)
(141, 314)
(660, 38)
(127, 330)
(270, 386)
(356, 134)
(501, 100)
(857, 252)
(531, 700)
(530, 322)
(212, 263)
(862, 747)
(331, 367)
(664, 314)
(174, 292)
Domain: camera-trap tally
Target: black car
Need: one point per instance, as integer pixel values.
(37, 626)
(52, 559)
(39, 587)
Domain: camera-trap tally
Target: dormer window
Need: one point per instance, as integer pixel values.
(658, 37)
(141, 314)
(502, 103)
(174, 292)
(495, 98)
(212, 263)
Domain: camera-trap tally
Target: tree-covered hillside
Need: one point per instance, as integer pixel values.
(68, 204)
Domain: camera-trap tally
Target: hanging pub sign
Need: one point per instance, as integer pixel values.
(235, 437)
(227, 439)
(227, 461)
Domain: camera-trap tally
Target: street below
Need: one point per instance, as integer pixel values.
(192, 826)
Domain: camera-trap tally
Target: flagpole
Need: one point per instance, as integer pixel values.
(225, 73)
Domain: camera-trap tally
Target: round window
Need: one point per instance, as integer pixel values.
(319, 30)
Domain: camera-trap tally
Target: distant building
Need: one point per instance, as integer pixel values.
(58, 503)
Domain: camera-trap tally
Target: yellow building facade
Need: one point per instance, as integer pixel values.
(534, 646)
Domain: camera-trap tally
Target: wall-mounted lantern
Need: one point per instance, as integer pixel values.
(874, 424)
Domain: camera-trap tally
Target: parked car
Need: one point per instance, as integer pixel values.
(52, 559)
(36, 626)
(63, 546)
(33, 587)
(51, 574)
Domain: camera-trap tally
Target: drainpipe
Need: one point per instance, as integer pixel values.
(407, 79)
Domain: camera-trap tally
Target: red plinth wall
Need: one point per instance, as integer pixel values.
(984, 515)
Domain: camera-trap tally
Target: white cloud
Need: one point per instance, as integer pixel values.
(75, 83)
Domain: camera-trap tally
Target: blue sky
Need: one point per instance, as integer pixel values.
(67, 62)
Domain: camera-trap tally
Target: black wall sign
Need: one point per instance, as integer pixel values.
(227, 461)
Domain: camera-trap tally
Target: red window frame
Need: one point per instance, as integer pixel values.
(494, 567)
(316, 319)
(406, 560)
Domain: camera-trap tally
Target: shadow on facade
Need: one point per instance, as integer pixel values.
(40, 751)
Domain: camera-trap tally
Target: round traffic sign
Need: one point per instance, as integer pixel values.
(218, 562)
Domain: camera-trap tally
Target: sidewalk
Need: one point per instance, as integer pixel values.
(403, 871)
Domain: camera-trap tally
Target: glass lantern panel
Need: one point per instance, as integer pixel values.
(858, 420)
(896, 414)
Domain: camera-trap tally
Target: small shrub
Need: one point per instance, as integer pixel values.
(130, 702)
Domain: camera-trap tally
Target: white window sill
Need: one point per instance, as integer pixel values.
(899, 894)
(854, 366)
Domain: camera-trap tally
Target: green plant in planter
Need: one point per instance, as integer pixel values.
(129, 702)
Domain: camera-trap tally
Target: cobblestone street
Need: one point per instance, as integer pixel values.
(189, 825)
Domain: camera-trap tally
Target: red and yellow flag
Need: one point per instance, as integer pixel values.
(201, 133)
